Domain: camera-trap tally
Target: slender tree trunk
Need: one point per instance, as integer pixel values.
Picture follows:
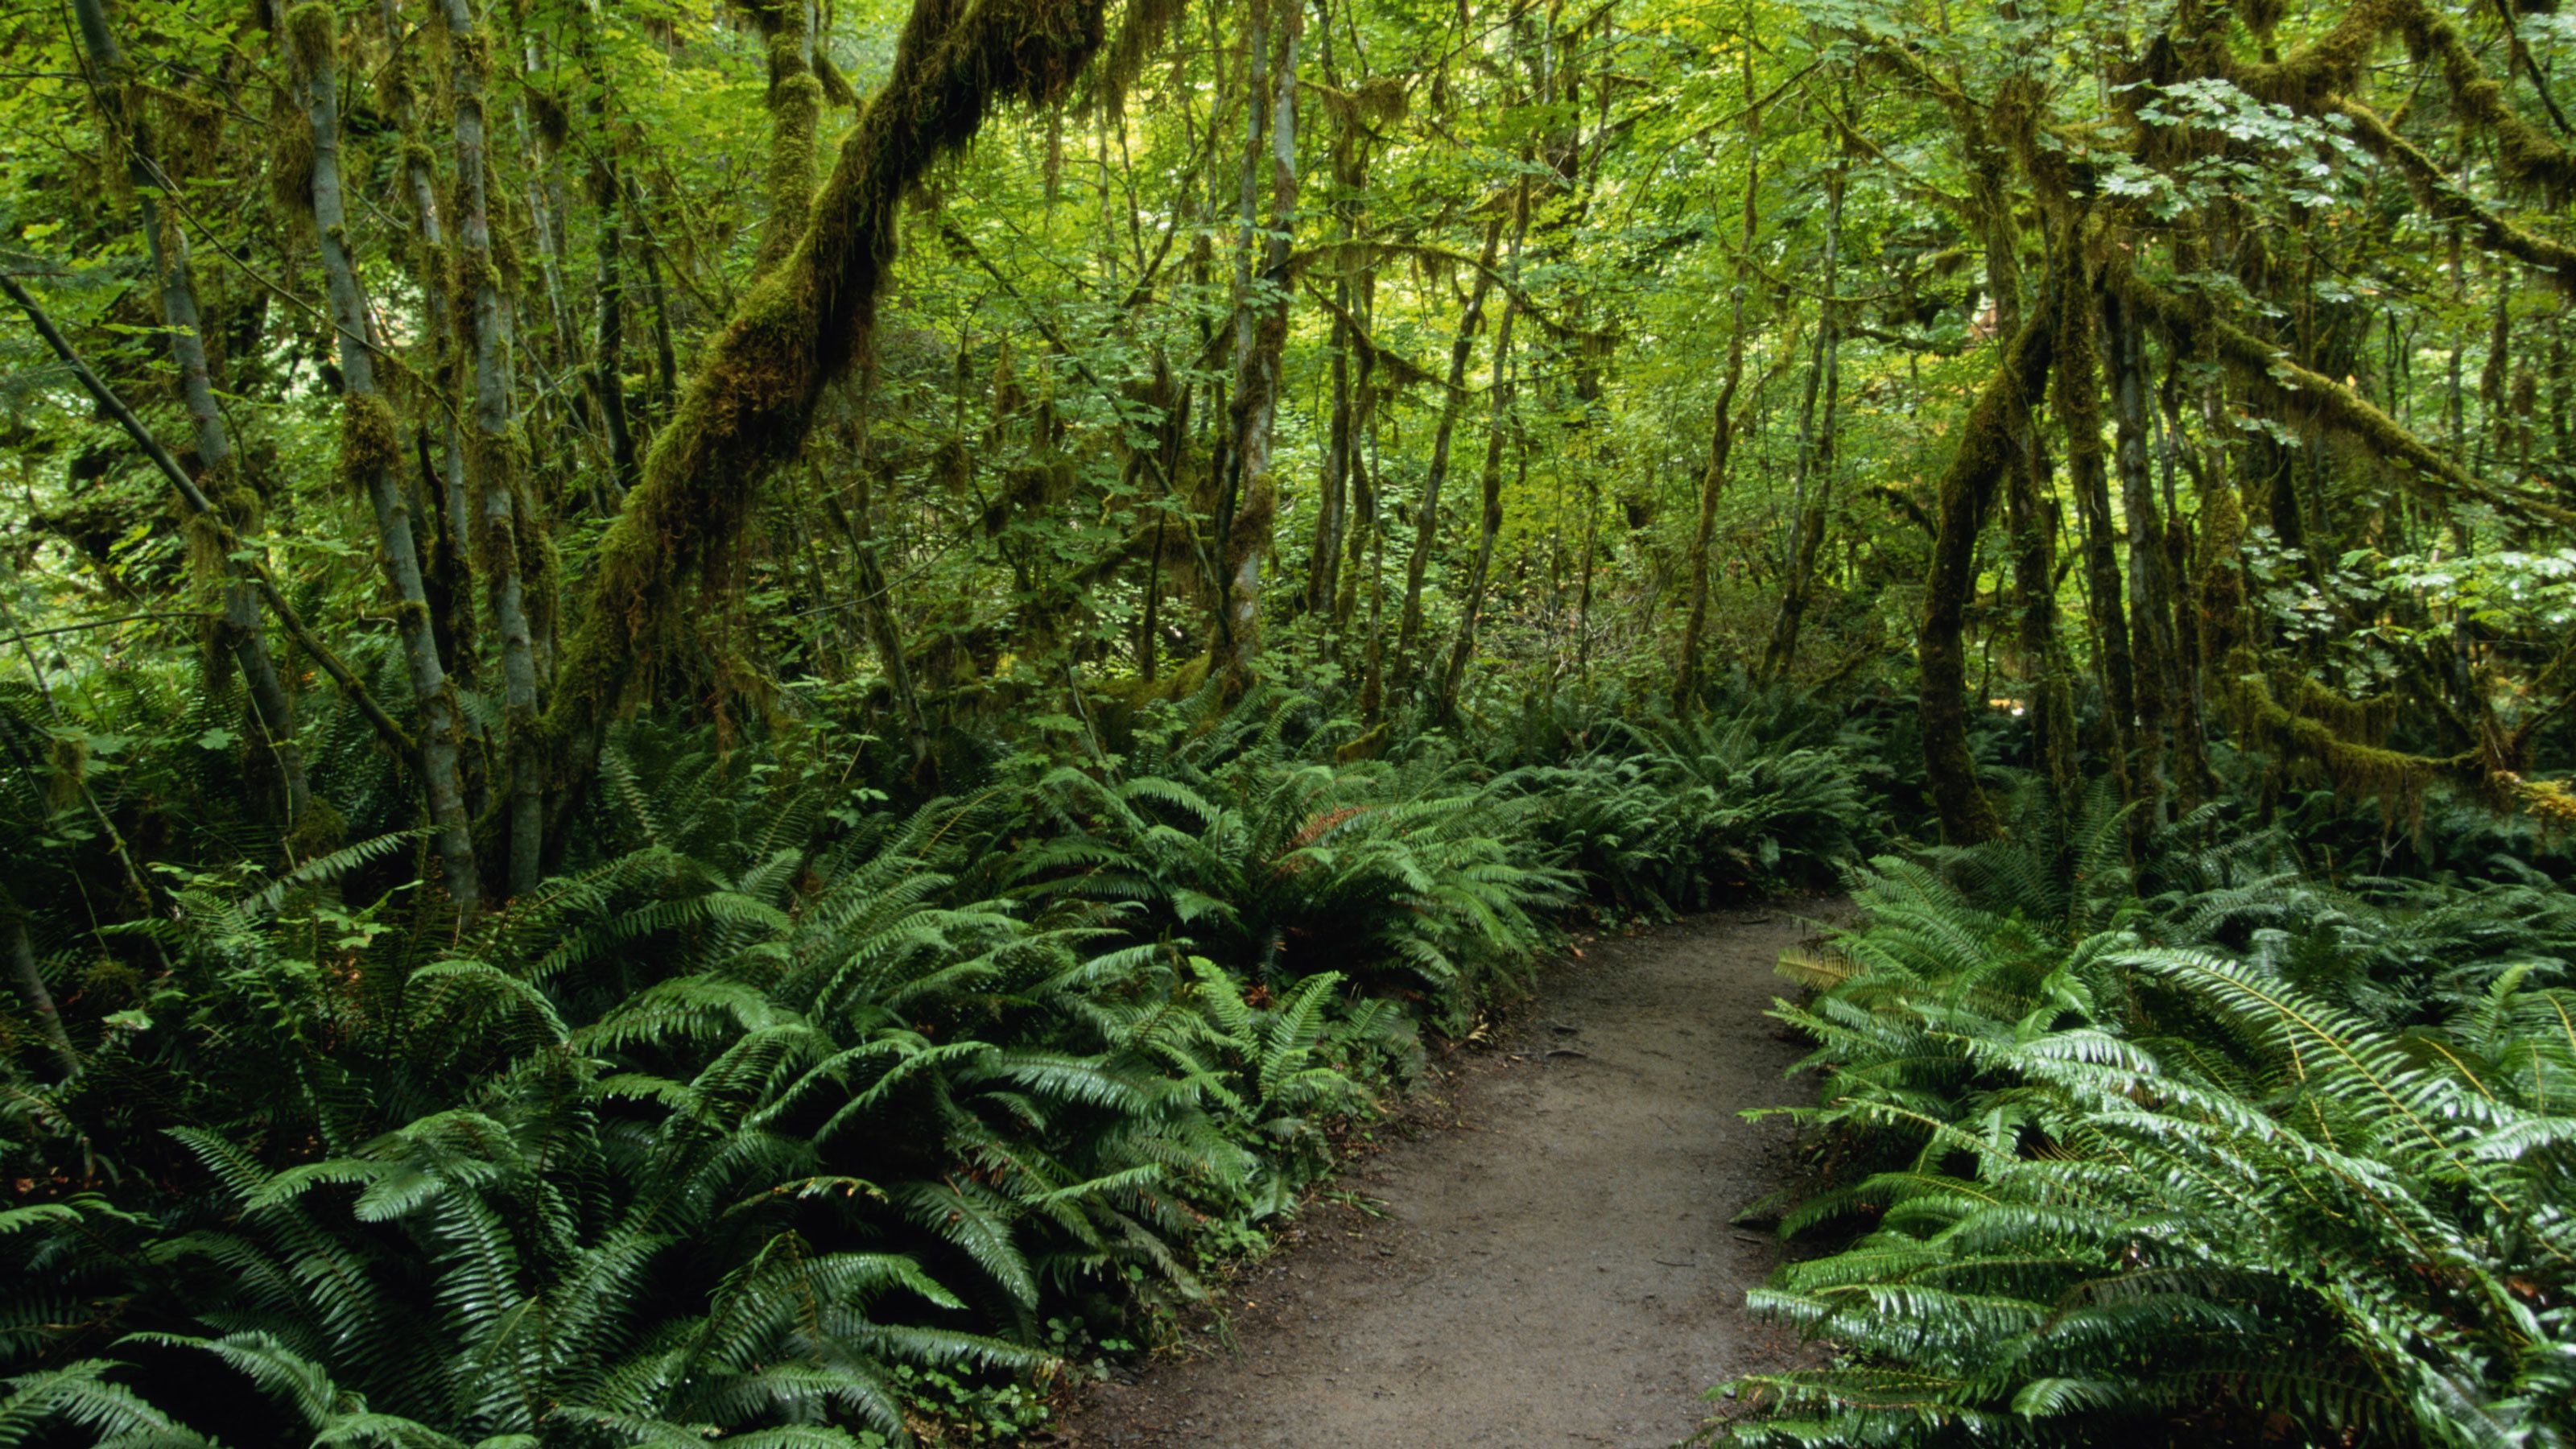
(666, 362)
(448, 565)
(1489, 526)
(500, 452)
(1322, 564)
(2150, 585)
(1811, 495)
(1721, 444)
(1426, 525)
(2192, 779)
(2079, 408)
(1261, 341)
(1361, 521)
(608, 196)
(370, 450)
(239, 630)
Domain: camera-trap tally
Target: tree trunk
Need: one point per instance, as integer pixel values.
(370, 453)
(795, 112)
(1987, 447)
(2150, 585)
(449, 573)
(2079, 408)
(1426, 524)
(753, 395)
(239, 630)
(500, 455)
(1490, 520)
(1812, 493)
(1721, 445)
(1260, 343)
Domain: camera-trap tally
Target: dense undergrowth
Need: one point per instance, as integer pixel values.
(2215, 1147)
(801, 1112)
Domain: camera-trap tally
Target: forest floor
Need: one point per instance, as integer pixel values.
(1545, 1256)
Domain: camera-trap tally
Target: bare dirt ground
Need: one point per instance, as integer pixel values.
(1549, 1260)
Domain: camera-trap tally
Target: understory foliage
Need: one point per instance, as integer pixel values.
(798, 1114)
(2211, 1144)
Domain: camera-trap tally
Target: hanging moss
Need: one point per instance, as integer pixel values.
(312, 38)
(2446, 202)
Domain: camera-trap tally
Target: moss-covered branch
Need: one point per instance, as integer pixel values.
(2449, 203)
(754, 393)
(2333, 404)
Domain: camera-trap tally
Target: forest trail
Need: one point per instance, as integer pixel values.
(1554, 1264)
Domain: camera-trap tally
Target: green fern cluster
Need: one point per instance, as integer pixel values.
(1679, 816)
(2216, 1159)
(716, 1136)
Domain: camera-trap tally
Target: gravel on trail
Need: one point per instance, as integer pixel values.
(1550, 1260)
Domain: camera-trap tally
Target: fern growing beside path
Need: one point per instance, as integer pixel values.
(2189, 1164)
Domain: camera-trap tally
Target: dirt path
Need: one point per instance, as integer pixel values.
(1556, 1269)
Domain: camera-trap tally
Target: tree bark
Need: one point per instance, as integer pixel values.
(1489, 524)
(370, 453)
(1426, 524)
(1261, 339)
(1721, 444)
(239, 629)
(2079, 408)
(499, 453)
(1812, 493)
(2150, 585)
(1987, 445)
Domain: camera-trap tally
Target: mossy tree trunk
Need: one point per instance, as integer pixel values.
(1988, 443)
(446, 565)
(1261, 340)
(2149, 578)
(608, 326)
(499, 451)
(240, 633)
(371, 450)
(752, 397)
(2079, 411)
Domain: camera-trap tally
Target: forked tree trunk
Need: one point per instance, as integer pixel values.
(370, 451)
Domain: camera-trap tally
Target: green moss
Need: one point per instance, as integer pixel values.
(312, 38)
(370, 441)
